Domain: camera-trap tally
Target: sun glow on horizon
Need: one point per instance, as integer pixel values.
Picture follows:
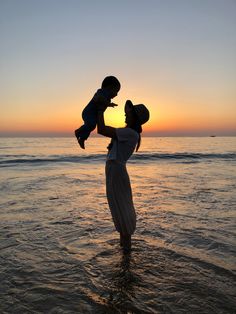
(50, 70)
(167, 116)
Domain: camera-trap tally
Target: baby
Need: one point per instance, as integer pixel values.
(109, 89)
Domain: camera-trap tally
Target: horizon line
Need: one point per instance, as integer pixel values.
(48, 135)
(145, 133)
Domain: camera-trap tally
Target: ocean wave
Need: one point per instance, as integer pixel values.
(8, 160)
(186, 156)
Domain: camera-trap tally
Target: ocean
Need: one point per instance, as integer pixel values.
(59, 251)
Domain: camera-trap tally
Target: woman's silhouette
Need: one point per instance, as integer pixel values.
(118, 188)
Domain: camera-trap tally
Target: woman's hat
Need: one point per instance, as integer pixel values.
(140, 110)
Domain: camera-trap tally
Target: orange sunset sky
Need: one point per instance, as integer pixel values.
(175, 56)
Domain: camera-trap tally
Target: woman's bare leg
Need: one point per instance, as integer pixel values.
(125, 242)
(121, 240)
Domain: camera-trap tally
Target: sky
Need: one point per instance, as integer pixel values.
(175, 56)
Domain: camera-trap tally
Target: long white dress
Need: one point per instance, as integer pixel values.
(118, 187)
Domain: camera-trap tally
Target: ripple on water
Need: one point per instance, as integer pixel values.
(58, 266)
(178, 281)
(59, 254)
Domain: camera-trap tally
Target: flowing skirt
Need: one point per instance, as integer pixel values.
(119, 196)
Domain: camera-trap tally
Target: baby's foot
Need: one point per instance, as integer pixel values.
(77, 134)
(81, 143)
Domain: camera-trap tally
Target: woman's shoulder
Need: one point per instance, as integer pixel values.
(126, 134)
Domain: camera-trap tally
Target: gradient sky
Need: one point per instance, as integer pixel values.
(175, 56)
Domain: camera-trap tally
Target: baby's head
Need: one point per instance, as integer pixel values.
(111, 85)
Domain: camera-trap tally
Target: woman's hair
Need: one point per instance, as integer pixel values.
(138, 128)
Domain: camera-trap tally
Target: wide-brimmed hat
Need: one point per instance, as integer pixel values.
(140, 110)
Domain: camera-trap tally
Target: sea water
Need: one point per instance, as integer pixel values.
(59, 251)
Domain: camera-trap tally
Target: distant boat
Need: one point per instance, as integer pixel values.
(213, 136)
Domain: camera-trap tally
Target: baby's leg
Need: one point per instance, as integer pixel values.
(84, 131)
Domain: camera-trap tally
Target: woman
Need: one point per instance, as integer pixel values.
(118, 188)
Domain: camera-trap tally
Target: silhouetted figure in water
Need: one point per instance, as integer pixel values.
(118, 188)
(109, 89)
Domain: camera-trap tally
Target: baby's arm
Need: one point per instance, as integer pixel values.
(100, 99)
(112, 104)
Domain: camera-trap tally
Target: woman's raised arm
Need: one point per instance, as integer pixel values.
(104, 129)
